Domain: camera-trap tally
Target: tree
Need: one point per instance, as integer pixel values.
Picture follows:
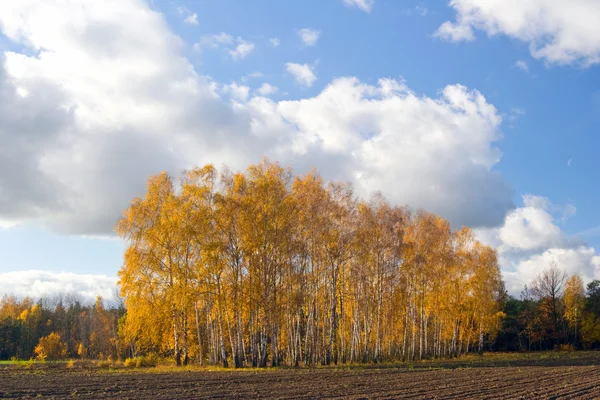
(590, 326)
(156, 263)
(574, 298)
(548, 288)
(51, 348)
(592, 303)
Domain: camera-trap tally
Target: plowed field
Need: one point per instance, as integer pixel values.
(519, 379)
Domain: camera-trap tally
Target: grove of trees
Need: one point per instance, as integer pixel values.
(260, 268)
(60, 327)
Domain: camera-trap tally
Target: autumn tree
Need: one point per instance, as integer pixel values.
(156, 263)
(574, 300)
(51, 348)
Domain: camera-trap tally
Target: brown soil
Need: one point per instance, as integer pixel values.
(541, 379)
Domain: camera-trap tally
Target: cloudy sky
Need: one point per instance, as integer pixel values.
(484, 111)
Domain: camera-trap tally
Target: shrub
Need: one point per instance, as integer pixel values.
(103, 364)
(567, 347)
(150, 360)
(51, 347)
(129, 362)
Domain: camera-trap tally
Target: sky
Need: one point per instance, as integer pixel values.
(483, 111)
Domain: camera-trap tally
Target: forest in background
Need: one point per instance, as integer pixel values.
(261, 268)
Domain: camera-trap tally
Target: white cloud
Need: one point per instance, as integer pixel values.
(454, 33)
(107, 84)
(238, 92)
(242, 50)
(44, 284)
(365, 5)
(112, 100)
(266, 89)
(582, 260)
(303, 73)
(557, 31)
(531, 227)
(187, 15)
(569, 162)
(529, 242)
(274, 42)
(309, 36)
(215, 40)
(191, 19)
(522, 65)
(431, 153)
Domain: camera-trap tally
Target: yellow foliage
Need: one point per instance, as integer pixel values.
(261, 263)
(51, 347)
(129, 362)
(81, 350)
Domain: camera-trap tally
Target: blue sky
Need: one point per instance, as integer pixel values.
(92, 133)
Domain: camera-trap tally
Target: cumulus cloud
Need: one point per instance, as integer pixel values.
(236, 91)
(530, 241)
(31, 120)
(237, 48)
(531, 227)
(188, 16)
(266, 89)
(106, 85)
(39, 284)
(309, 36)
(100, 98)
(454, 32)
(242, 50)
(582, 260)
(557, 31)
(302, 73)
(365, 5)
(215, 40)
(191, 19)
(430, 153)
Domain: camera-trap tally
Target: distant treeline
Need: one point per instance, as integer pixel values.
(84, 331)
(554, 312)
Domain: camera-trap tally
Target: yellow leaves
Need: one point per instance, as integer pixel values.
(590, 329)
(81, 352)
(574, 298)
(51, 347)
(257, 253)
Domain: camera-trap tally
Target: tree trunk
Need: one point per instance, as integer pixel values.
(200, 352)
(186, 357)
(176, 338)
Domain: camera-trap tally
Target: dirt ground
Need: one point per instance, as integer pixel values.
(519, 379)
